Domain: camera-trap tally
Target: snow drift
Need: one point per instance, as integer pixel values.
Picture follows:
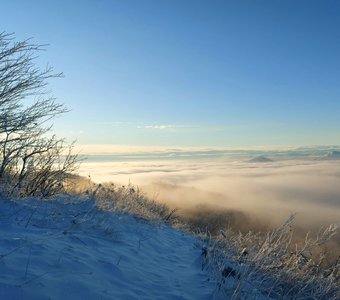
(68, 249)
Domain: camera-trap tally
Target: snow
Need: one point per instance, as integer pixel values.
(68, 249)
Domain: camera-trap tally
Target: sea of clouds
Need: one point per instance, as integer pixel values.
(265, 185)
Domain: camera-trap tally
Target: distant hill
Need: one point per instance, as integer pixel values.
(333, 155)
(261, 159)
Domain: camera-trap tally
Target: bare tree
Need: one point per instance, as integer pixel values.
(32, 160)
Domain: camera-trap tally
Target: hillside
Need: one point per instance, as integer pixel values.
(68, 249)
(260, 159)
(76, 247)
(333, 155)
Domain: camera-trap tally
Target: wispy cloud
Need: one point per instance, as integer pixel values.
(168, 126)
(159, 127)
(142, 125)
(175, 127)
(206, 128)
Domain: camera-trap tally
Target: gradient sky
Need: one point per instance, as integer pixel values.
(190, 73)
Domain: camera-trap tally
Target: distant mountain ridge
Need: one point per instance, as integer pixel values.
(261, 159)
(333, 155)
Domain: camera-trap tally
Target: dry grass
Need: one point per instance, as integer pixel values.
(128, 199)
(269, 264)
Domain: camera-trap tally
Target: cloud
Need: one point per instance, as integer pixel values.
(168, 126)
(160, 127)
(268, 192)
(207, 128)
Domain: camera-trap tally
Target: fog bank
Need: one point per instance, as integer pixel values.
(265, 191)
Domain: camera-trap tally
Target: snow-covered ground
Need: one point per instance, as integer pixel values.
(68, 249)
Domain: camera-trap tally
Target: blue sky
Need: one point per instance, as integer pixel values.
(190, 73)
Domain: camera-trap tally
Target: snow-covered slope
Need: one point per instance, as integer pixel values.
(67, 249)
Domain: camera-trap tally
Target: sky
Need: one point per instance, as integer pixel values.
(189, 73)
